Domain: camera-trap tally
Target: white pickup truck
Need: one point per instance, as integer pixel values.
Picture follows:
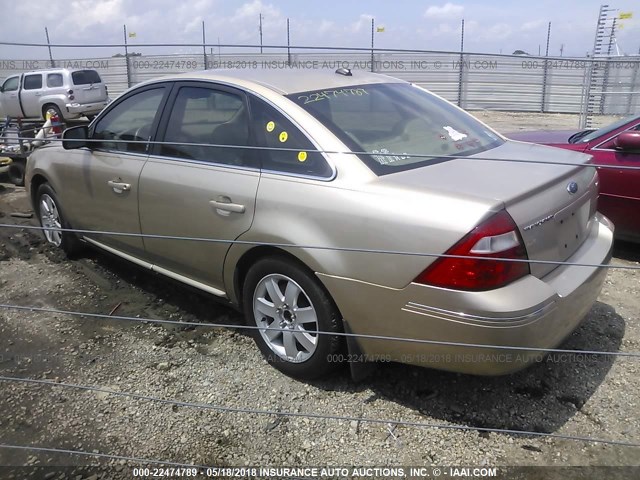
(64, 92)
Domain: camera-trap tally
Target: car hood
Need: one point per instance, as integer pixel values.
(547, 137)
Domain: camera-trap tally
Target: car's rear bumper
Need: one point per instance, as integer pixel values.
(86, 108)
(529, 313)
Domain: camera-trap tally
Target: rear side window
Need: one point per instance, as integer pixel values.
(54, 80)
(130, 120)
(275, 131)
(11, 84)
(85, 77)
(207, 116)
(32, 82)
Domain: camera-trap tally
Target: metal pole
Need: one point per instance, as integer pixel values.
(372, 37)
(545, 72)
(204, 46)
(548, 38)
(260, 29)
(288, 44)
(461, 64)
(46, 31)
(126, 57)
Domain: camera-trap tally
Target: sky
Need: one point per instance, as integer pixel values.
(490, 26)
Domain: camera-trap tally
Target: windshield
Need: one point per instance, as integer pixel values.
(604, 130)
(394, 122)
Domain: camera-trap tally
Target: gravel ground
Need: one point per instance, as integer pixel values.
(588, 396)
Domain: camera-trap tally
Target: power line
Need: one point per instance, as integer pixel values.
(435, 156)
(315, 247)
(320, 416)
(319, 332)
(100, 455)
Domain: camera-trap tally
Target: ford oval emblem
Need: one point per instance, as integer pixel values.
(572, 188)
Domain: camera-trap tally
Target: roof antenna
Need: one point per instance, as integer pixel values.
(344, 71)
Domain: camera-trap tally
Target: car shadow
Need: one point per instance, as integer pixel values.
(186, 303)
(5, 188)
(540, 398)
(626, 251)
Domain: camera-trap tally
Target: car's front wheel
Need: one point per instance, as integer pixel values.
(52, 219)
(290, 307)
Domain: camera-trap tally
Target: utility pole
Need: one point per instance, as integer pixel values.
(288, 44)
(46, 31)
(372, 36)
(260, 29)
(561, 49)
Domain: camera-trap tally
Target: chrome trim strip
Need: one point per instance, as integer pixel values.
(189, 281)
(155, 268)
(204, 163)
(420, 309)
(126, 256)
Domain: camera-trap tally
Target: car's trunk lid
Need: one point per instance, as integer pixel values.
(552, 204)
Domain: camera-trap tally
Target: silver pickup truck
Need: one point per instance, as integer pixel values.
(65, 92)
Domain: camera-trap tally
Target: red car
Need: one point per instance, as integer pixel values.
(617, 146)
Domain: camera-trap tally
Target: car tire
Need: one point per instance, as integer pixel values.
(52, 109)
(16, 173)
(301, 305)
(50, 215)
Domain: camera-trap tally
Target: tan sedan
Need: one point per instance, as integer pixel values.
(339, 202)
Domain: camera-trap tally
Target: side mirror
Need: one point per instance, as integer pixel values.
(628, 141)
(75, 137)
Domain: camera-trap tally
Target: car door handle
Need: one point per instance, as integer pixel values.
(224, 203)
(118, 186)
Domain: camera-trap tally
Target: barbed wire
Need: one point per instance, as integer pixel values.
(311, 47)
(316, 247)
(100, 455)
(318, 416)
(338, 152)
(143, 320)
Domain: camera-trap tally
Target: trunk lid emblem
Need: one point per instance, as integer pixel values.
(572, 188)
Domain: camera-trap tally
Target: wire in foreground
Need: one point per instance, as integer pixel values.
(318, 332)
(321, 416)
(315, 247)
(99, 455)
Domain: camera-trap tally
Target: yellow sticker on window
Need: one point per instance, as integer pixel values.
(302, 156)
(271, 126)
(284, 136)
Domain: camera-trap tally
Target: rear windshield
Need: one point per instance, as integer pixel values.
(398, 126)
(85, 77)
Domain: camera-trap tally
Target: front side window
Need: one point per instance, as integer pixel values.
(205, 116)
(398, 126)
(289, 150)
(32, 82)
(54, 80)
(132, 119)
(11, 84)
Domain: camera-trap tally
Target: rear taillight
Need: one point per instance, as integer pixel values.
(494, 239)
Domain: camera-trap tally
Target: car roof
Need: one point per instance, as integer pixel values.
(287, 80)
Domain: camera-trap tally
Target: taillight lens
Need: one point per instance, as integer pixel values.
(496, 238)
